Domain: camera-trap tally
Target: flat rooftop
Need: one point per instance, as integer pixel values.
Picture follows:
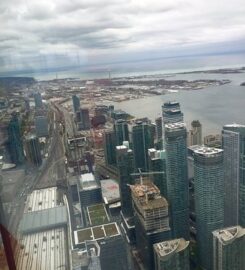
(167, 248)
(41, 199)
(235, 125)
(110, 191)
(175, 126)
(97, 214)
(228, 235)
(43, 250)
(208, 151)
(87, 181)
(96, 233)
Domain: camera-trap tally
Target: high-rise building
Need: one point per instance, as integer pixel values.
(121, 131)
(151, 220)
(42, 126)
(172, 255)
(195, 134)
(109, 147)
(213, 140)
(171, 112)
(142, 141)
(83, 119)
(159, 130)
(15, 141)
(229, 249)
(177, 178)
(233, 142)
(157, 164)
(32, 148)
(76, 103)
(209, 199)
(125, 165)
(38, 100)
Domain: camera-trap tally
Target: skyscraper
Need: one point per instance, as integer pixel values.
(177, 178)
(195, 134)
(171, 112)
(125, 165)
(157, 163)
(121, 131)
(233, 141)
(84, 120)
(142, 141)
(38, 100)
(209, 199)
(159, 130)
(76, 103)
(229, 249)
(32, 148)
(151, 220)
(110, 148)
(172, 255)
(41, 125)
(15, 140)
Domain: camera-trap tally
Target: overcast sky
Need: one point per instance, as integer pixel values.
(40, 33)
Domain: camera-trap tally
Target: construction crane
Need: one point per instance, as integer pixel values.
(140, 174)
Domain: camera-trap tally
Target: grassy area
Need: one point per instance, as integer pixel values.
(110, 229)
(83, 235)
(97, 214)
(98, 232)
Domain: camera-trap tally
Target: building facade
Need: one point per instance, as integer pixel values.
(33, 151)
(76, 103)
(177, 178)
(121, 131)
(109, 142)
(172, 255)
(195, 134)
(229, 248)
(171, 112)
(41, 126)
(38, 100)
(209, 199)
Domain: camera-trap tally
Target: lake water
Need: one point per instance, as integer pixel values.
(212, 106)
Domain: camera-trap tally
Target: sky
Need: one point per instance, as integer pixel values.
(36, 34)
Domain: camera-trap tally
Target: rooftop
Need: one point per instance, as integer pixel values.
(96, 233)
(167, 248)
(175, 126)
(228, 235)
(110, 191)
(97, 214)
(234, 125)
(87, 181)
(207, 151)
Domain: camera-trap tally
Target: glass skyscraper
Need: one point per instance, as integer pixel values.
(233, 141)
(177, 178)
(110, 148)
(76, 103)
(209, 199)
(121, 131)
(171, 112)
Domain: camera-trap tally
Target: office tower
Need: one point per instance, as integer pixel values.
(27, 105)
(229, 249)
(76, 103)
(209, 199)
(159, 132)
(125, 166)
(83, 119)
(142, 141)
(109, 142)
(121, 131)
(177, 178)
(172, 255)
(38, 100)
(195, 134)
(157, 164)
(32, 148)
(41, 125)
(233, 141)
(171, 112)
(15, 141)
(213, 140)
(151, 220)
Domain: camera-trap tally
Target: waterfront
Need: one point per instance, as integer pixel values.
(213, 106)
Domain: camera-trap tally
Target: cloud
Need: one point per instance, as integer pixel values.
(37, 33)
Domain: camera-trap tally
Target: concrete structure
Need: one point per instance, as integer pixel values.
(112, 247)
(109, 142)
(171, 112)
(209, 199)
(151, 220)
(142, 140)
(229, 249)
(172, 255)
(38, 100)
(157, 163)
(195, 134)
(89, 190)
(159, 129)
(121, 131)
(32, 149)
(76, 103)
(42, 126)
(233, 142)
(15, 141)
(213, 140)
(177, 178)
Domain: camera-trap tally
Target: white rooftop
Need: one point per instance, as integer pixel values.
(87, 181)
(228, 235)
(173, 126)
(234, 125)
(207, 151)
